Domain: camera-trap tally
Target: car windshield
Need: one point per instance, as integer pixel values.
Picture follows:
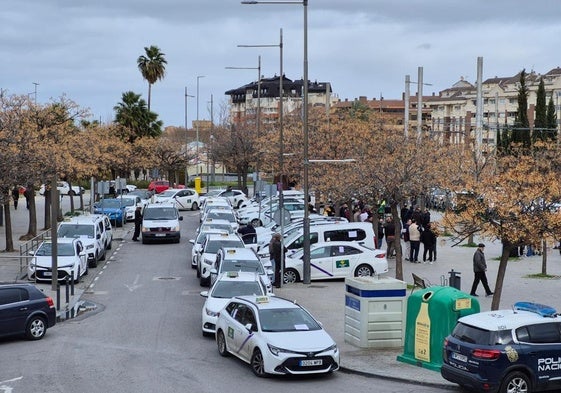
(287, 320)
(167, 194)
(128, 202)
(160, 213)
(222, 215)
(63, 250)
(217, 228)
(76, 230)
(226, 289)
(110, 204)
(242, 266)
(212, 247)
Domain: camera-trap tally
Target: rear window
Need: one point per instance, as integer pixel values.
(473, 335)
(344, 235)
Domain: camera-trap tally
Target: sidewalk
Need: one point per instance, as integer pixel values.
(326, 299)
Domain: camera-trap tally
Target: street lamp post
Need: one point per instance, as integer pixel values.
(186, 138)
(280, 185)
(36, 84)
(197, 126)
(258, 68)
(306, 221)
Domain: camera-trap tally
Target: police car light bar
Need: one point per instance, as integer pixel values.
(540, 309)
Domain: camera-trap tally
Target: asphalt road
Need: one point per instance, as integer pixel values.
(145, 336)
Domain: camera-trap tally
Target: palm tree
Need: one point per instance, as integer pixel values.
(152, 67)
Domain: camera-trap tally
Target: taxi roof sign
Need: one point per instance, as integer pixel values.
(231, 251)
(232, 274)
(262, 299)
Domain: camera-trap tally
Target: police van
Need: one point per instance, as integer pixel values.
(516, 350)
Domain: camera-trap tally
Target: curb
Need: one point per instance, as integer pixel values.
(409, 381)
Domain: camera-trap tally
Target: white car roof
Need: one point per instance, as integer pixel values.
(505, 319)
(238, 276)
(239, 253)
(269, 302)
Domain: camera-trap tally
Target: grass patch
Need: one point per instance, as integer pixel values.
(546, 276)
(471, 245)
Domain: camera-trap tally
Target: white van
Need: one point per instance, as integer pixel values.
(95, 232)
(362, 232)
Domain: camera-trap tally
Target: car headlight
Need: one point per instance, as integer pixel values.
(177, 228)
(211, 313)
(277, 351)
(331, 348)
(66, 266)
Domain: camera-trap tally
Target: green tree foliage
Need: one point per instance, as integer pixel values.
(540, 123)
(152, 66)
(136, 118)
(551, 119)
(521, 131)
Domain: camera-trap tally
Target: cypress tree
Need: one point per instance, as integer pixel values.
(521, 132)
(540, 123)
(551, 122)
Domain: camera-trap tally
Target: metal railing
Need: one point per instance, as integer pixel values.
(26, 247)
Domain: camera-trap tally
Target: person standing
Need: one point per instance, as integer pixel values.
(277, 257)
(137, 222)
(428, 238)
(15, 196)
(479, 268)
(389, 230)
(380, 238)
(414, 240)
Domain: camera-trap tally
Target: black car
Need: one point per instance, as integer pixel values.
(25, 310)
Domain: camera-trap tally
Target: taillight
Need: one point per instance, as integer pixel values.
(445, 342)
(382, 255)
(50, 301)
(486, 354)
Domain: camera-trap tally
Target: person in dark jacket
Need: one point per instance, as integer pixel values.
(479, 268)
(276, 255)
(428, 238)
(389, 230)
(137, 223)
(15, 196)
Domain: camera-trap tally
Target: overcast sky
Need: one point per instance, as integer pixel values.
(87, 50)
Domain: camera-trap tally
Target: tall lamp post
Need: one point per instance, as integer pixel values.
(186, 138)
(258, 68)
(197, 125)
(36, 84)
(280, 186)
(306, 222)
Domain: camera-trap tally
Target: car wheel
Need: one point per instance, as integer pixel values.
(193, 265)
(144, 241)
(258, 363)
(93, 263)
(110, 245)
(194, 206)
(198, 272)
(77, 279)
(71, 193)
(36, 328)
(102, 258)
(363, 271)
(221, 343)
(240, 204)
(290, 276)
(516, 382)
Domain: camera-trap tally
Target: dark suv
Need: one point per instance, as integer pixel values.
(516, 350)
(25, 310)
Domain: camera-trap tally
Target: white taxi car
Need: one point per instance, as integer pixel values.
(232, 259)
(275, 336)
(183, 198)
(71, 261)
(207, 256)
(226, 286)
(336, 260)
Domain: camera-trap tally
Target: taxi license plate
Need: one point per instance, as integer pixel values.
(459, 356)
(160, 234)
(313, 362)
(47, 274)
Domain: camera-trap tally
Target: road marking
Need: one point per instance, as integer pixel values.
(8, 389)
(135, 285)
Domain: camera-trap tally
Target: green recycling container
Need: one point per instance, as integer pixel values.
(432, 314)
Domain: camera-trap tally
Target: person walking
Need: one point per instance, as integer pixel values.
(137, 222)
(15, 196)
(479, 268)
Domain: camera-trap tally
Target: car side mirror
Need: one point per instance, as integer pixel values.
(98, 236)
(192, 241)
(180, 218)
(204, 293)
